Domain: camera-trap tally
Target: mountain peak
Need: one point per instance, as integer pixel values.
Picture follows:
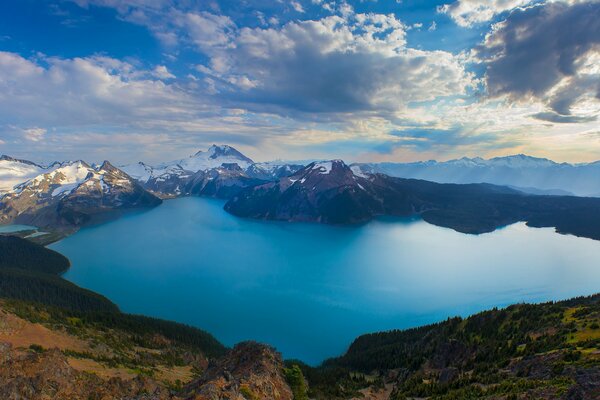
(520, 160)
(223, 150)
(326, 167)
(4, 157)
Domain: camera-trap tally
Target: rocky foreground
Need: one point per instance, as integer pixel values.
(66, 358)
(250, 371)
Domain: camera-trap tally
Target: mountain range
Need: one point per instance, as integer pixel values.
(529, 174)
(333, 192)
(66, 195)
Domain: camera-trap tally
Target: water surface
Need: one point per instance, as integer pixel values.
(309, 289)
(15, 228)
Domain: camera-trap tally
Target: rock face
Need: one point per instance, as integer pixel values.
(73, 195)
(48, 375)
(251, 371)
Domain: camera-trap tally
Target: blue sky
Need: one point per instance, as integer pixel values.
(361, 80)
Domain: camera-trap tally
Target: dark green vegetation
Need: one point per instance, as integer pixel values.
(27, 273)
(50, 289)
(542, 351)
(297, 382)
(23, 254)
(340, 197)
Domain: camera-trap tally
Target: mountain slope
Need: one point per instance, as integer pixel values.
(221, 172)
(14, 172)
(542, 351)
(72, 195)
(333, 193)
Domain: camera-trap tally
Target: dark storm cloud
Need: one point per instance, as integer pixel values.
(536, 48)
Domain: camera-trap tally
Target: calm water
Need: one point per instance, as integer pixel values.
(15, 228)
(309, 289)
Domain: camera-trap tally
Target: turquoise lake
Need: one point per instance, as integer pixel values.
(309, 289)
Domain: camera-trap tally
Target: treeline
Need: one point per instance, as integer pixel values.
(52, 290)
(488, 337)
(505, 353)
(23, 254)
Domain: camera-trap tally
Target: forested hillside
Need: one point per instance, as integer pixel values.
(544, 351)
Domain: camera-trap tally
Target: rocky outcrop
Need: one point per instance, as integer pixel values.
(251, 371)
(47, 375)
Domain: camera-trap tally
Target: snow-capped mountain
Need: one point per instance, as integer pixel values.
(71, 194)
(529, 174)
(273, 170)
(214, 157)
(220, 171)
(14, 172)
(324, 191)
(332, 192)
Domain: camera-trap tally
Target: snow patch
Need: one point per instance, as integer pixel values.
(323, 167)
(64, 189)
(356, 170)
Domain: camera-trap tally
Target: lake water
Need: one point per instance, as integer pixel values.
(15, 228)
(309, 289)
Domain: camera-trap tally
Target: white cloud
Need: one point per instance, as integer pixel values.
(297, 6)
(469, 12)
(94, 90)
(161, 72)
(332, 65)
(34, 134)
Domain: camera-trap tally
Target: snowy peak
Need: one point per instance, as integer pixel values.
(225, 151)
(59, 181)
(521, 161)
(4, 157)
(322, 175)
(221, 156)
(14, 172)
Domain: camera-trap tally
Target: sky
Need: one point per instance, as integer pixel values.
(362, 80)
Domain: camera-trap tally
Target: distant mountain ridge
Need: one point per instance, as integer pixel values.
(526, 172)
(67, 195)
(333, 192)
